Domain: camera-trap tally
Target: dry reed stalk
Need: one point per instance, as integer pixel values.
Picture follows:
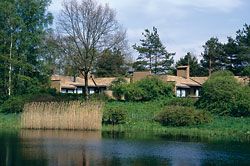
(62, 115)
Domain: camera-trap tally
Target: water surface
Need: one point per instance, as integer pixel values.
(36, 147)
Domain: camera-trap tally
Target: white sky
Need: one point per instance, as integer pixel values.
(183, 25)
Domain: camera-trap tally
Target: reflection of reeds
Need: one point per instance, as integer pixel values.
(62, 115)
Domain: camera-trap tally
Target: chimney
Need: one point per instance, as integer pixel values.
(183, 71)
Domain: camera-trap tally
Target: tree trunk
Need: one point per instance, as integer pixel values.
(10, 66)
(150, 63)
(210, 67)
(86, 87)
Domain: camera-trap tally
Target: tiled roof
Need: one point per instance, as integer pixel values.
(67, 81)
(199, 80)
(180, 81)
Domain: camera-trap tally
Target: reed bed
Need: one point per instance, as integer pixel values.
(73, 115)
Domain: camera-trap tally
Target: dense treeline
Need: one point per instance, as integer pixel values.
(234, 55)
(23, 26)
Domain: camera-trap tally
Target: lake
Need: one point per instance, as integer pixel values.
(37, 147)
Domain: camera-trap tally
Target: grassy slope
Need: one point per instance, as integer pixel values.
(9, 122)
(140, 118)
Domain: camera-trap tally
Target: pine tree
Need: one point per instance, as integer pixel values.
(192, 61)
(153, 55)
(213, 57)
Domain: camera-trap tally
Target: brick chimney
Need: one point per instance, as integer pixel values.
(183, 71)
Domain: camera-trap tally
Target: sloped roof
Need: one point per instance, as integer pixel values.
(199, 80)
(243, 79)
(67, 81)
(180, 81)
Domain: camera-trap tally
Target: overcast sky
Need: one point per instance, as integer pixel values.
(183, 25)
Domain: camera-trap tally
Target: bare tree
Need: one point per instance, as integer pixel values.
(87, 28)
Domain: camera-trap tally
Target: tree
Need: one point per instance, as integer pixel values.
(243, 41)
(213, 55)
(224, 95)
(86, 29)
(152, 53)
(192, 61)
(23, 25)
(231, 51)
(110, 63)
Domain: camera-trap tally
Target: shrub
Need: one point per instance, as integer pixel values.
(114, 116)
(118, 87)
(223, 95)
(14, 104)
(147, 89)
(182, 116)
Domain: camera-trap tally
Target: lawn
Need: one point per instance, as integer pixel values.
(140, 118)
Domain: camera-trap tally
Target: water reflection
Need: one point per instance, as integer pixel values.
(37, 147)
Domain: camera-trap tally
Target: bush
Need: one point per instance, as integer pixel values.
(14, 104)
(118, 87)
(147, 89)
(114, 116)
(182, 116)
(223, 95)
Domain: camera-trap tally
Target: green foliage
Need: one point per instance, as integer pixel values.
(114, 116)
(146, 89)
(182, 116)
(13, 104)
(223, 95)
(177, 101)
(192, 61)
(23, 25)
(118, 87)
(246, 71)
(110, 63)
(213, 54)
(232, 56)
(153, 55)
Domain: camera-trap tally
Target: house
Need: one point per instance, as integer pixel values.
(185, 86)
(69, 84)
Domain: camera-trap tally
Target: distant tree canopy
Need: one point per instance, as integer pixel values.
(23, 25)
(234, 55)
(110, 63)
(212, 55)
(192, 61)
(153, 55)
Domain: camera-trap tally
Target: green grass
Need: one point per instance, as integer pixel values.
(9, 122)
(140, 118)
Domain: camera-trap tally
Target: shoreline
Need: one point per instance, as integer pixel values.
(226, 132)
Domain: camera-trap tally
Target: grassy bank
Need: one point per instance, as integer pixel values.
(9, 122)
(140, 118)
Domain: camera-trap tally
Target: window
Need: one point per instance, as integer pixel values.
(181, 92)
(91, 91)
(178, 93)
(70, 91)
(197, 93)
(63, 91)
(79, 90)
